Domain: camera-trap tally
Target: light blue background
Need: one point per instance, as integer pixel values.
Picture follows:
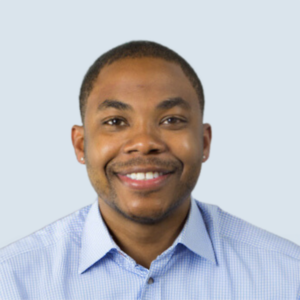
(246, 54)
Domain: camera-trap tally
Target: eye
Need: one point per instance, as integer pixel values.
(115, 122)
(172, 120)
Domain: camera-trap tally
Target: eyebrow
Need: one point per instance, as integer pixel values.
(110, 103)
(172, 102)
(164, 105)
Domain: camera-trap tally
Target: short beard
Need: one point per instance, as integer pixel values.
(109, 196)
(140, 219)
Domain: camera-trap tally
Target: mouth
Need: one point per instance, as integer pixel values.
(144, 179)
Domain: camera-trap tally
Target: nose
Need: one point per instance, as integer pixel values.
(145, 141)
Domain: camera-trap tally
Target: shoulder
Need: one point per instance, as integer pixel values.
(231, 229)
(68, 228)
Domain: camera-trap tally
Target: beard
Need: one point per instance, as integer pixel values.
(106, 190)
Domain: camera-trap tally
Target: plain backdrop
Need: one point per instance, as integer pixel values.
(245, 52)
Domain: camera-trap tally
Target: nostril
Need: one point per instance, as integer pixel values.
(144, 143)
(148, 151)
(154, 151)
(132, 150)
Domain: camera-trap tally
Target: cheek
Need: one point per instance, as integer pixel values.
(188, 148)
(100, 152)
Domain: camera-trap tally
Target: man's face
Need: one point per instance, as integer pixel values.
(143, 138)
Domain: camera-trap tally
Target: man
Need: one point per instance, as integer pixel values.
(143, 142)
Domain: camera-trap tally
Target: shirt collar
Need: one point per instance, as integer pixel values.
(96, 240)
(195, 236)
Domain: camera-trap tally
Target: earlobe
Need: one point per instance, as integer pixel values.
(207, 136)
(78, 142)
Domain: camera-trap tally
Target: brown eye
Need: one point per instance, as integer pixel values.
(172, 120)
(115, 122)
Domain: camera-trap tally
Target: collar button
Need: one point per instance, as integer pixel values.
(150, 280)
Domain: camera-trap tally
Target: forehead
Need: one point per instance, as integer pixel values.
(148, 78)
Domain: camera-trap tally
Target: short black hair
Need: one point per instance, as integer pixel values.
(136, 49)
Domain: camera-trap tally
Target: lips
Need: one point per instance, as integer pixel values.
(144, 176)
(147, 174)
(140, 179)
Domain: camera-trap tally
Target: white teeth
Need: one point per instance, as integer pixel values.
(149, 175)
(144, 176)
(140, 176)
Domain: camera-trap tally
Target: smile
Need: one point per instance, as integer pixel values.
(144, 176)
(144, 180)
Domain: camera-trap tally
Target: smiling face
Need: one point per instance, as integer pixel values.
(143, 139)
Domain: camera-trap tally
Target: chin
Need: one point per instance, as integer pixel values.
(145, 214)
(145, 219)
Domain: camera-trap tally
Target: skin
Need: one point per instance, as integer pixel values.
(143, 115)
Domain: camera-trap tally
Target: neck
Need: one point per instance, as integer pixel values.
(144, 242)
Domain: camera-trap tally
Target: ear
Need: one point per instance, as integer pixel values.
(78, 142)
(207, 136)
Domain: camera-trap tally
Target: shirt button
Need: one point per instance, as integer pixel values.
(150, 280)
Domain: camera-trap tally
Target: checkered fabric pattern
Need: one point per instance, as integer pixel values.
(216, 256)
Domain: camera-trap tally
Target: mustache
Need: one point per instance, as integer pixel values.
(145, 162)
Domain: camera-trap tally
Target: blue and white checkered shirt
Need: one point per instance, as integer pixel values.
(216, 256)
